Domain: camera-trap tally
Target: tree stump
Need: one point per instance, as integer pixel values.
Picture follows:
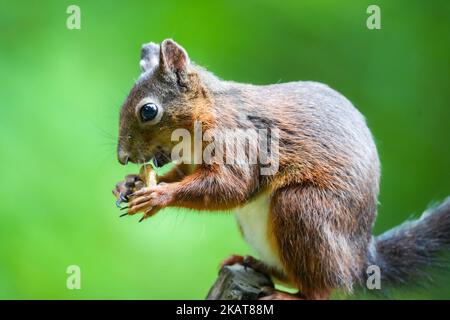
(237, 282)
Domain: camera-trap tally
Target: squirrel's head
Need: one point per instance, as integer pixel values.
(166, 97)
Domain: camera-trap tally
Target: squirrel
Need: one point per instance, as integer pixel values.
(311, 221)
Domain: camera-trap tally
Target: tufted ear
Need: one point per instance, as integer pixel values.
(149, 56)
(174, 60)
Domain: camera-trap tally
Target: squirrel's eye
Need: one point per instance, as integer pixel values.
(148, 111)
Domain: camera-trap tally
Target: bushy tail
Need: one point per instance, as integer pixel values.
(406, 252)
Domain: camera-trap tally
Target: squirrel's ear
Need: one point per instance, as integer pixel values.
(174, 59)
(149, 56)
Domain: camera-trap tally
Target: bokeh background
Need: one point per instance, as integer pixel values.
(60, 93)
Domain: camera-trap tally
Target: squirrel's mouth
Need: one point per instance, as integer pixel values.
(161, 158)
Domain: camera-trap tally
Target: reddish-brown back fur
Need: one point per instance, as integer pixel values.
(323, 197)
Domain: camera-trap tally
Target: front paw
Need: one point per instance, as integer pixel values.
(125, 188)
(152, 198)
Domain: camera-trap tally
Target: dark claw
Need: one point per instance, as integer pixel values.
(142, 219)
(123, 208)
(155, 161)
(122, 198)
(123, 214)
(246, 263)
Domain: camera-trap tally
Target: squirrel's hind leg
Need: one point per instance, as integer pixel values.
(312, 231)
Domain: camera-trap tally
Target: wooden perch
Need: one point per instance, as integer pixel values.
(237, 282)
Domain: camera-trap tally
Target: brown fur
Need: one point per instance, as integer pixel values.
(324, 196)
(323, 191)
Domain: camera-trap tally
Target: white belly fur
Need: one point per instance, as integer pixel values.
(253, 219)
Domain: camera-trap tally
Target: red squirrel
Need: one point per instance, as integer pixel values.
(311, 221)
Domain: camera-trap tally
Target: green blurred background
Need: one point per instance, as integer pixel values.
(60, 93)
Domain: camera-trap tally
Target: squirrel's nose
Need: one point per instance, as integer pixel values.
(123, 156)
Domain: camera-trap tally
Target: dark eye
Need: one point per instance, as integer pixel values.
(148, 112)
